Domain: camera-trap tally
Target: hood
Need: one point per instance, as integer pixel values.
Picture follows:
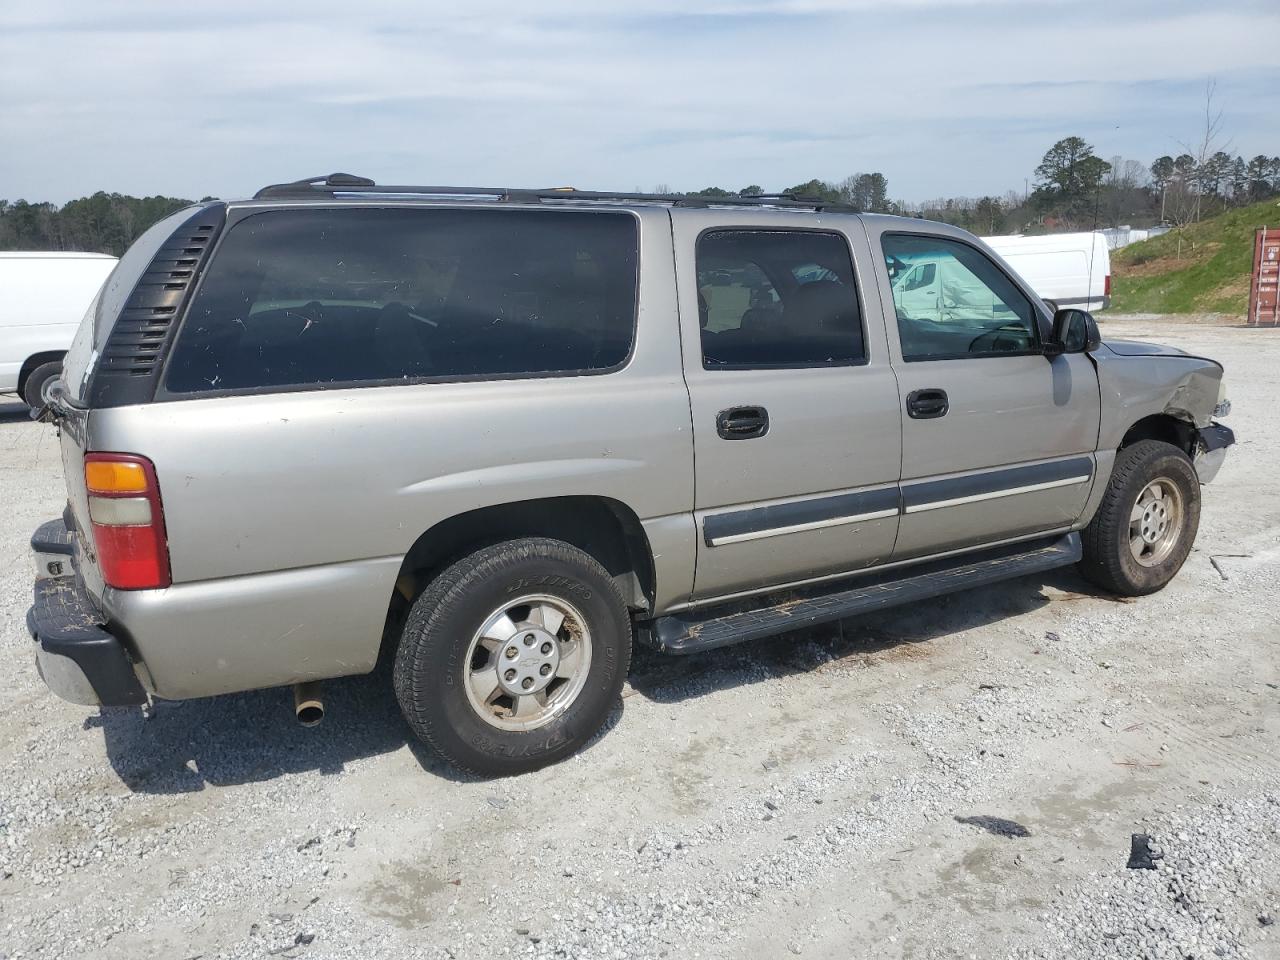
(1140, 348)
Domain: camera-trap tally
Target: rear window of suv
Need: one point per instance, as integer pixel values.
(375, 295)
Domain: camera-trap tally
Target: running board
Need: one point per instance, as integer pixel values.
(697, 630)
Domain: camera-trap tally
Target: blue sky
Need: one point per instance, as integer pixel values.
(945, 97)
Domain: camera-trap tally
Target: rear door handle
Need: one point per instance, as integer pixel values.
(742, 423)
(927, 404)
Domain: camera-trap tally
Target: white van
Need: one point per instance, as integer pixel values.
(943, 290)
(1071, 269)
(43, 297)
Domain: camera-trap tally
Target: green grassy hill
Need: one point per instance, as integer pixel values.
(1209, 275)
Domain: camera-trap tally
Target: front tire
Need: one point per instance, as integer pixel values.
(512, 658)
(1147, 521)
(37, 380)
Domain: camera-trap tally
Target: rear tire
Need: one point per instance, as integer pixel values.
(1147, 521)
(513, 657)
(37, 380)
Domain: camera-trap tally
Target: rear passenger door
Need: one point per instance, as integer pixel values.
(795, 409)
(998, 440)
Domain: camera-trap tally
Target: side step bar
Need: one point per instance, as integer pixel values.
(697, 630)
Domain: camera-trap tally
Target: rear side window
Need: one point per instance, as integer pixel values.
(777, 298)
(360, 295)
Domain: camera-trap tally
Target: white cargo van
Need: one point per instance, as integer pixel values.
(1071, 269)
(43, 297)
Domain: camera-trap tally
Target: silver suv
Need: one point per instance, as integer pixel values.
(494, 436)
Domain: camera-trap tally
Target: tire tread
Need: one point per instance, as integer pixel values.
(1102, 539)
(444, 594)
(36, 379)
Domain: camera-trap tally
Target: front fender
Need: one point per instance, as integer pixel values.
(1134, 387)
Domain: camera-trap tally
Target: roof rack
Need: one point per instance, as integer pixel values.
(338, 184)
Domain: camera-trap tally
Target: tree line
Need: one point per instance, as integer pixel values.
(1074, 184)
(1074, 190)
(102, 223)
(866, 192)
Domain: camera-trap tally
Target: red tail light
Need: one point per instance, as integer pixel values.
(127, 520)
(1106, 286)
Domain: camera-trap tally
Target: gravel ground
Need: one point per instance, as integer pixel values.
(956, 780)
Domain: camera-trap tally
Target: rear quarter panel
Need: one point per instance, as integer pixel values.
(275, 482)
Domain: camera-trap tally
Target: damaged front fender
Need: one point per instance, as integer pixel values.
(1137, 386)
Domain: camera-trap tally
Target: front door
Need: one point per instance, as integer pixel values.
(997, 440)
(796, 420)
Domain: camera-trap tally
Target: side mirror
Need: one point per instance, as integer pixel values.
(1074, 331)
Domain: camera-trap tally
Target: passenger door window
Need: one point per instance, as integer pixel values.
(777, 298)
(952, 301)
(731, 288)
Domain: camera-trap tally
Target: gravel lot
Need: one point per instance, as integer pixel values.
(959, 779)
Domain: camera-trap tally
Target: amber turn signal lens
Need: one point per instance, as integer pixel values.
(108, 476)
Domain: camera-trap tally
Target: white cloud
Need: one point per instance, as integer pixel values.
(943, 96)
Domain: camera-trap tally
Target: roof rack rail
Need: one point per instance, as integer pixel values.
(336, 184)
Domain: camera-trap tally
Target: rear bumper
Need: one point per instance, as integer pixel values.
(52, 549)
(76, 656)
(204, 638)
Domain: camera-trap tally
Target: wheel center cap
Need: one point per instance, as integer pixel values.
(1155, 520)
(528, 661)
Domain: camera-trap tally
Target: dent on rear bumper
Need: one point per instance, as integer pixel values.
(262, 630)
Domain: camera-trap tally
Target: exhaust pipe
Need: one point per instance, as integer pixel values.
(307, 705)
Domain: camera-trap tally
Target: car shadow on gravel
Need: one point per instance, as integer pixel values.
(253, 737)
(895, 634)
